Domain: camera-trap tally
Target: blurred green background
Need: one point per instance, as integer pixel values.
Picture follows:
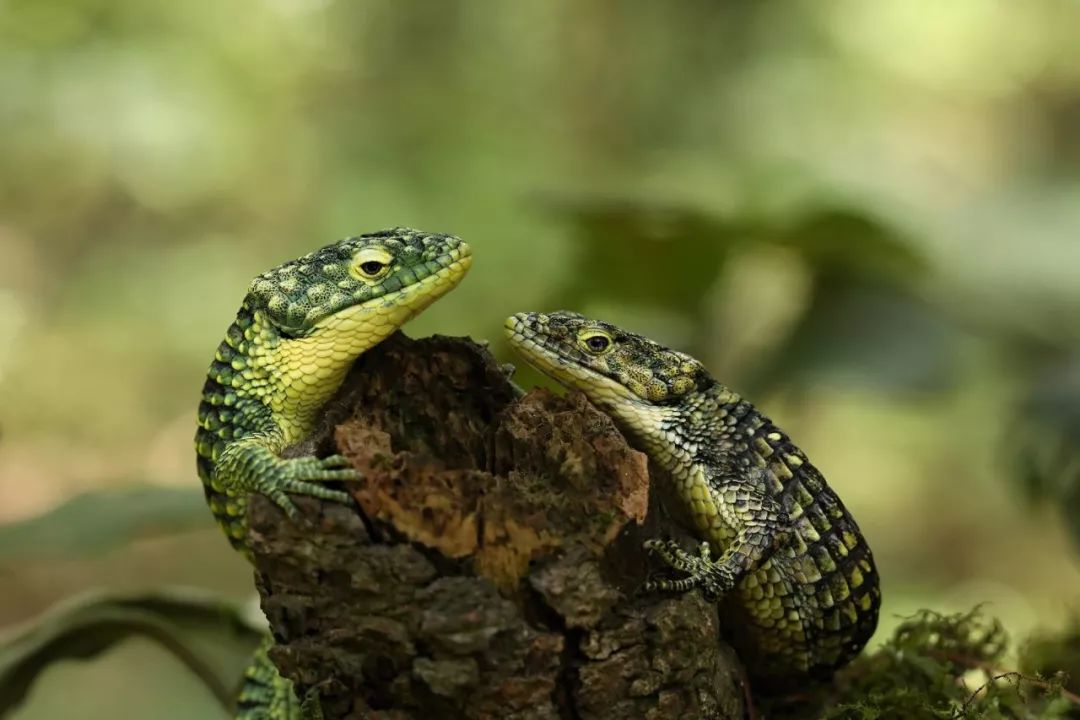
(865, 216)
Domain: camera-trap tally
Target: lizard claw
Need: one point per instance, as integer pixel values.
(302, 476)
(336, 461)
(677, 558)
(701, 571)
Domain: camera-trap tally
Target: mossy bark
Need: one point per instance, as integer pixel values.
(490, 567)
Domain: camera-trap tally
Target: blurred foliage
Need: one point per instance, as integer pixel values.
(861, 215)
(1048, 653)
(210, 636)
(97, 522)
(859, 275)
(1047, 430)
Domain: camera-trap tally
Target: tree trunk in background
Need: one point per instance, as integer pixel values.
(491, 570)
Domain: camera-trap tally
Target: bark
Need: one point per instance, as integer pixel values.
(491, 566)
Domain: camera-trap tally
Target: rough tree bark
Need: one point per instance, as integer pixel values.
(491, 566)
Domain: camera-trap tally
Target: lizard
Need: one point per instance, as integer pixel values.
(299, 329)
(797, 578)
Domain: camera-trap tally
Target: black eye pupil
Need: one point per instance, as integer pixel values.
(597, 343)
(371, 267)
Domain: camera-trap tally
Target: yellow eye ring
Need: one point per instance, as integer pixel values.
(371, 263)
(595, 342)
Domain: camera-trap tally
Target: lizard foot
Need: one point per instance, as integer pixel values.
(301, 476)
(701, 570)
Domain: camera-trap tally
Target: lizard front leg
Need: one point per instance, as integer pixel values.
(760, 524)
(253, 465)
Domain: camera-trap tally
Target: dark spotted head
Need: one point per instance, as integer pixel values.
(403, 266)
(607, 363)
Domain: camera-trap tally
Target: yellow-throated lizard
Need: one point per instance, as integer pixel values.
(299, 329)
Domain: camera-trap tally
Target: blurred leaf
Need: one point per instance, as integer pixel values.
(777, 284)
(863, 322)
(96, 522)
(211, 636)
(862, 319)
(861, 335)
(663, 256)
(1045, 440)
(845, 242)
(1047, 653)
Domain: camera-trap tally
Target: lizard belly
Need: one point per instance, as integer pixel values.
(768, 603)
(709, 519)
(769, 600)
(692, 487)
(812, 604)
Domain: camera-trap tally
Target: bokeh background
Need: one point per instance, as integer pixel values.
(864, 216)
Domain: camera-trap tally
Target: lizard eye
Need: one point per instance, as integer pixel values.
(596, 343)
(371, 263)
(371, 268)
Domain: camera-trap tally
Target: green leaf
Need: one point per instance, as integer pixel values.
(850, 243)
(662, 256)
(214, 638)
(876, 337)
(96, 522)
(1044, 437)
(864, 322)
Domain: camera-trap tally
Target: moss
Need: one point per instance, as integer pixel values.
(945, 667)
(1049, 653)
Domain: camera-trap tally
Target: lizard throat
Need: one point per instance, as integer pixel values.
(654, 428)
(309, 370)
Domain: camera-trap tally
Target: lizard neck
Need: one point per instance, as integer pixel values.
(261, 383)
(295, 377)
(674, 435)
(232, 405)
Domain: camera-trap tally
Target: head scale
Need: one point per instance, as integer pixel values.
(581, 353)
(297, 295)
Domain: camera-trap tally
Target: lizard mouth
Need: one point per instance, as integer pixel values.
(529, 343)
(532, 345)
(548, 356)
(401, 305)
(379, 316)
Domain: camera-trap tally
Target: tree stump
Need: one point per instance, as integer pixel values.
(491, 567)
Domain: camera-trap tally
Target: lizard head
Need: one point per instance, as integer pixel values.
(393, 273)
(608, 364)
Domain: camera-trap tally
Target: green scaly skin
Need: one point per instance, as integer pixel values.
(266, 695)
(298, 331)
(795, 572)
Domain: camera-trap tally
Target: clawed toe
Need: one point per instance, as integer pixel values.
(282, 500)
(699, 568)
(678, 559)
(311, 489)
(336, 461)
(330, 475)
(304, 476)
